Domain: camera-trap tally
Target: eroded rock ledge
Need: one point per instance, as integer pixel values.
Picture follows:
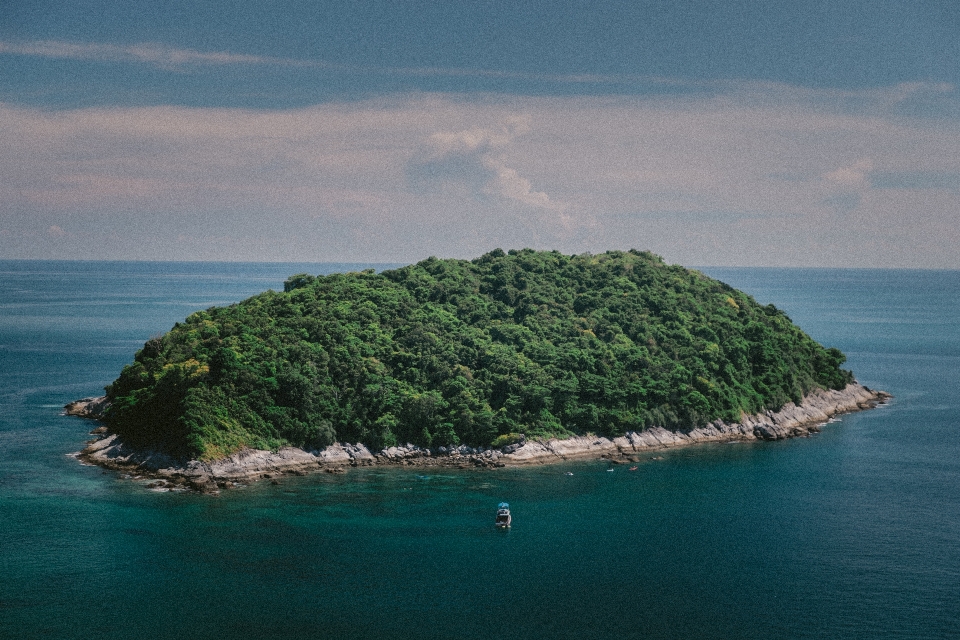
(250, 465)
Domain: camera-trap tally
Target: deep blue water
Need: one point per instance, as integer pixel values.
(853, 533)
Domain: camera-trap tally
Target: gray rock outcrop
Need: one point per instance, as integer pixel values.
(87, 407)
(790, 421)
(251, 464)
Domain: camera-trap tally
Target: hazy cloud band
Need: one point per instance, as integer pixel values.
(759, 176)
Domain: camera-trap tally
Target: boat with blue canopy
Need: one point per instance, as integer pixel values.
(503, 515)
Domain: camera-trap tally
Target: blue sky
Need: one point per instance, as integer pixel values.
(751, 133)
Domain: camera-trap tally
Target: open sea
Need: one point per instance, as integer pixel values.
(852, 533)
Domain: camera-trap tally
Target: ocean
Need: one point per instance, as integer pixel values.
(852, 533)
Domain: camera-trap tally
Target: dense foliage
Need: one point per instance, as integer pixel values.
(452, 351)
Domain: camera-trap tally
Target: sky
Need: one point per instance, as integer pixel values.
(768, 133)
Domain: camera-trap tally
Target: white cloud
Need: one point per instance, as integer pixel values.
(478, 139)
(148, 53)
(855, 175)
(478, 155)
(510, 184)
(167, 57)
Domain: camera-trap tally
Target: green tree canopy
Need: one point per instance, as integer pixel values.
(453, 351)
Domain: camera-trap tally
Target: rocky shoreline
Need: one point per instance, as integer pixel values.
(251, 465)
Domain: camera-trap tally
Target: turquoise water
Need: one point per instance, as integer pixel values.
(853, 533)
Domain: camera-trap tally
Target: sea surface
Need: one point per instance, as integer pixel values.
(852, 533)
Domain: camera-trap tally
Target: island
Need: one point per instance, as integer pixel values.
(511, 358)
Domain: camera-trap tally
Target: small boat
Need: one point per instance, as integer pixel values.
(632, 469)
(503, 516)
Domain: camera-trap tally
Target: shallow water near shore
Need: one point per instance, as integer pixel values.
(852, 533)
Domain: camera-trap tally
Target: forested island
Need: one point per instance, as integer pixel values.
(507, 348)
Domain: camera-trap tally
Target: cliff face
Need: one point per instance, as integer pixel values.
(249, 465)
